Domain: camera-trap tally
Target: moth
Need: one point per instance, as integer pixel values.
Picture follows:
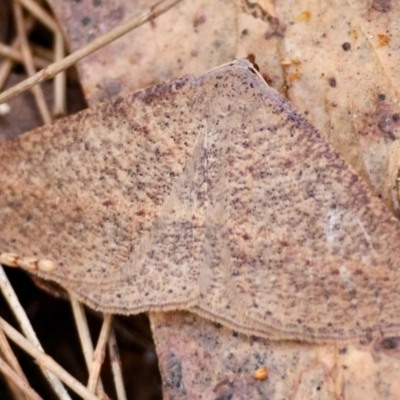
(210, 194)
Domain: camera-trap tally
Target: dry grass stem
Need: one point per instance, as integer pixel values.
(60, 80)
(10, 356)
(28, 63)
(116, 366)
(84, 335)
(46, 362)
(83, 329)
(109, 37)
(15, 55)
(100, 352)
(40, 14)
(15, 392)
(11, 297)
(6, 65)
(21, 384)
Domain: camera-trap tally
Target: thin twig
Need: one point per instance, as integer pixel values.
(60, 80)
(116, 366)
(6, 65)
(28, 62)
(12, 361)
(46, 361)
(5, 68)
(15, 305)
(17, 381)
(15, 55)
(15, 392)
(100, 352)
(10, 356)
(83, 329)
(84, 335)
(37, 11)
(117, 32)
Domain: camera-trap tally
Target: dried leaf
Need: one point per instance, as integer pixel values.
(210, 194)
(190, 38)
(203, 360)
(349, 78)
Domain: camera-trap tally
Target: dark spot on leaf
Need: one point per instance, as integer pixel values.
(85, 21)
(358, 272)
(390, 343)
(199, 20)
(332, 82)
(391, 135)
(346, 46)
(335, 272)
(382, 5)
